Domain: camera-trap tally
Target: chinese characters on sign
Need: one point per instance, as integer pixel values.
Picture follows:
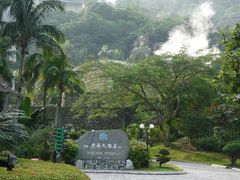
(105, 146)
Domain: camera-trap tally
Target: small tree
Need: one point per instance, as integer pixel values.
(161, 156)
(233, 151)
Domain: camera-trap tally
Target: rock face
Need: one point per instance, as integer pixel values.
(103, 145)
(129, 164)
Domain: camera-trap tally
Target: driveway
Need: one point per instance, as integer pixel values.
(194, 172)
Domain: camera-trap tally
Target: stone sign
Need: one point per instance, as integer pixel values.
(103, 145)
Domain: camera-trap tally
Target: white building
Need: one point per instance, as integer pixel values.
(71, 5)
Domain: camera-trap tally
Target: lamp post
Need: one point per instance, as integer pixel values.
(147, 128)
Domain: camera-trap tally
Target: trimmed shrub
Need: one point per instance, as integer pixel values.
(233, 151)
(206, 143)
(70, 152)
(139, 154)
(162, 156)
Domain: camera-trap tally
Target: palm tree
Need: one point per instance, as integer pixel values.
(5, 72)
(27, 26)
(5, 53)
(52, 70)
(38, 73)
(66, 79)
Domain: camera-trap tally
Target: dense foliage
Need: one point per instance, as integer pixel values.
(233, 151)
(39, 145)
(70, 152)
(124, 84)
(139, 154)
(123, 32)
(227, 12)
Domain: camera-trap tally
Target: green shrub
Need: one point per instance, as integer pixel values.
(154, 136)
(133, 131)
(26, 106)
(76, 134)
(38, 145)
(70, 152)
(4, 156)
(195, 125)
(162, 156)
(233, 151)
(139, 155)
(206, 143)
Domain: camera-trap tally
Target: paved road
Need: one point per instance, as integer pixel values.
(194, 172)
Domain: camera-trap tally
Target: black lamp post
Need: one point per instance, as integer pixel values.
(147, 128)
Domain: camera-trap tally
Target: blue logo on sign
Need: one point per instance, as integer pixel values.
(103, 137)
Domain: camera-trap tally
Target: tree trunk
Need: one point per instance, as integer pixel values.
(44, 103)
(164, 136)
(160, 123)
(58, 111)
(233, 159)
(19, 99)
(169, 126)
(5, 102)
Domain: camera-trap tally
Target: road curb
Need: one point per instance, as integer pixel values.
(236, 169)
(221, 166)
(133, 172)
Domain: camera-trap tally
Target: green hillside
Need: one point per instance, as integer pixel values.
(227, 11)
(119, 32)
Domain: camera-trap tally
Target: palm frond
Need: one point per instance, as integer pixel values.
(10, 29)
(44, 40)
(51, 31)
(4, 4)
(32, 68)
(10, 130)
(39, 12)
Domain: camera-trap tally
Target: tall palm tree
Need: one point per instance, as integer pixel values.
(27, 26)
(5, 72)
(5, 53)
(52, 70)
(38, 73)
(66, 79)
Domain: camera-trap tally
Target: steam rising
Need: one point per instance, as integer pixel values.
(194, 42)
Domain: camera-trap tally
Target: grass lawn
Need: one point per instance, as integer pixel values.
(183, 151)
(28, 169)
(154, 166)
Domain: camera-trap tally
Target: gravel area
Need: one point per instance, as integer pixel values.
(194, 172)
